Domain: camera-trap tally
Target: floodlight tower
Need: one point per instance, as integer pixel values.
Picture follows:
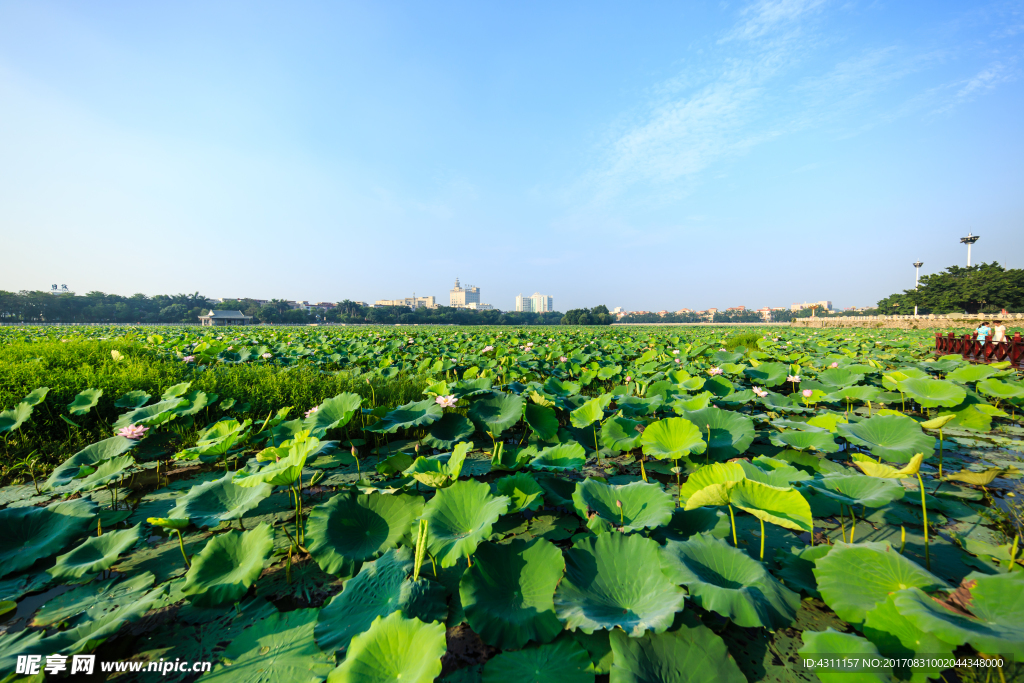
(969, 240)
(917, 280)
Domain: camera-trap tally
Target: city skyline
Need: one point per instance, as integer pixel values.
(709, 151)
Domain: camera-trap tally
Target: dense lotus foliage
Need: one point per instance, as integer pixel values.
(555, 505)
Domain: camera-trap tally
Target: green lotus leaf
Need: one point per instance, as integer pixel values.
(768, 374)
(91, 455)
(93, 600)
(620, 434)
(997, 389)
(803, 441)
(439, 471)
(13, 419)
(933, 392)
(896, 438)
(672, 438)
(857, 489)
(91, 478)
(90, 634)
(522, 490)
(496, 413)
(168, 523)
(36, 396)
(448, 431)
(686, 523)
(590, 412)
(615, 580)
(96, 554)
(217, 440)
(151, 415)
(175, 391)
(724, 356)
(133, 399)
(779, 506)
(381, 587)
(731, 433)
(831, 644)
(210, 503)
(566, 456)
(772, 471)
(285, 462)
(30, 533)
(564, 661)
(855, 393)
(879, 571)
(839, 377)
(689, 653)
(896, 636)
(508, 593)
(352, 528)
(334, 413)
(642, 505)
(410, 415)
(542, 420)
(85, 401)
(227, 565)
(709, 475)
(719, 386)
(393, 649)
(557, 387)
(725, 580)
(465, 388)
(996, 601)
(971, 373)
(278, 648)
(459, 518)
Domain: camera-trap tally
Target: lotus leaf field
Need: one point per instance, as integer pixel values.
(550, 504)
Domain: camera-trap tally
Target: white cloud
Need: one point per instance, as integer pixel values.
(768, 15)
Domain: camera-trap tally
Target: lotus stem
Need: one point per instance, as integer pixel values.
(924, 513)
(597, 448)
(1013, 553)
(618, 504)
(762, 538)
(940, 456)
(181, 544)
(903, 538)
(421, 546)
(679, 487)
(869, 408)
(288, 567)
(732, 521)
(99, 526)
(842, 521)
(853, 523)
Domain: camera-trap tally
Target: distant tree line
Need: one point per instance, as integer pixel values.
(598, 315)
(984, 288)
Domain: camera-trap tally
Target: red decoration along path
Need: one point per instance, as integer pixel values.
(969, 348)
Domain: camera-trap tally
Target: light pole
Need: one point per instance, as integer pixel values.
(917, 280)
(969, 240)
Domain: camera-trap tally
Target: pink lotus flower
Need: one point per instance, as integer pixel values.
(793, 378)
(488, 348)
(446, 401)
(715, 371)
(834, 365)
(562, 359)
(807, 393)
(230, 347)
(722, 349)
(760, 392)
(529, 343)
(628, 378)
(133, 432)
(312, 410)
(676, 359)
(188, 359)
(675, 352)
(266, 355)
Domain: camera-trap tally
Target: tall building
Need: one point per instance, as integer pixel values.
(459, 297)
(538, 303)
(410, 302)
(824, 305)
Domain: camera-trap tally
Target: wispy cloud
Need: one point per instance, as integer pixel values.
(762, 18)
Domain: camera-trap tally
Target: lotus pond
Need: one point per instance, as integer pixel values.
(550, 504)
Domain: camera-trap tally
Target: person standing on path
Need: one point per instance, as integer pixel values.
(983, 332)
(998, 331)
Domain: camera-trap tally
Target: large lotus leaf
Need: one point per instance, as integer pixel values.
(896, 636)
(15, 417)
(566, 456)
(971, 373)
(557, 387)
(933, 392)
(731, 432)
(380, 588)
(726, 580)
(459, 518)
(857, 489)
(839, 377)
(84, 401)
(768, 374)
(832, 645)
(672, 438)
(28, 534)
(96, 554)
(996, 389)
(784, 507)
(227, 565)
(689, 653)
(522, 490)
(448, 431)
(334, 413)
(621, 434)
(496, 413)
(803, 441)
(564, 661)
(508, 593)
(997, 603)
(686, 523)
(410, 415)
(542, 420)
(276, 649)
(772, 471)
(91, 455)
(719, 386)
(854, 578)
(94, 599)
(439, 471)
(210, 503)
(855, 393)
(465, 388)
(90, 634)
(36, 396)
(642, 505)
(351, 528)
(896, 438)
(151, 415)
(724, 356)
(220, 438)
(288, 459)
(709, 475)
(132, 399)
(590, 412)
(104, 473)
(616, 580)
(393, 649)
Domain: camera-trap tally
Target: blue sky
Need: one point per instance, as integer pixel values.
(644, 155)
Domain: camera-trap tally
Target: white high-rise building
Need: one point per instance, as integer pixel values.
(538, 303)
(460, 297)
